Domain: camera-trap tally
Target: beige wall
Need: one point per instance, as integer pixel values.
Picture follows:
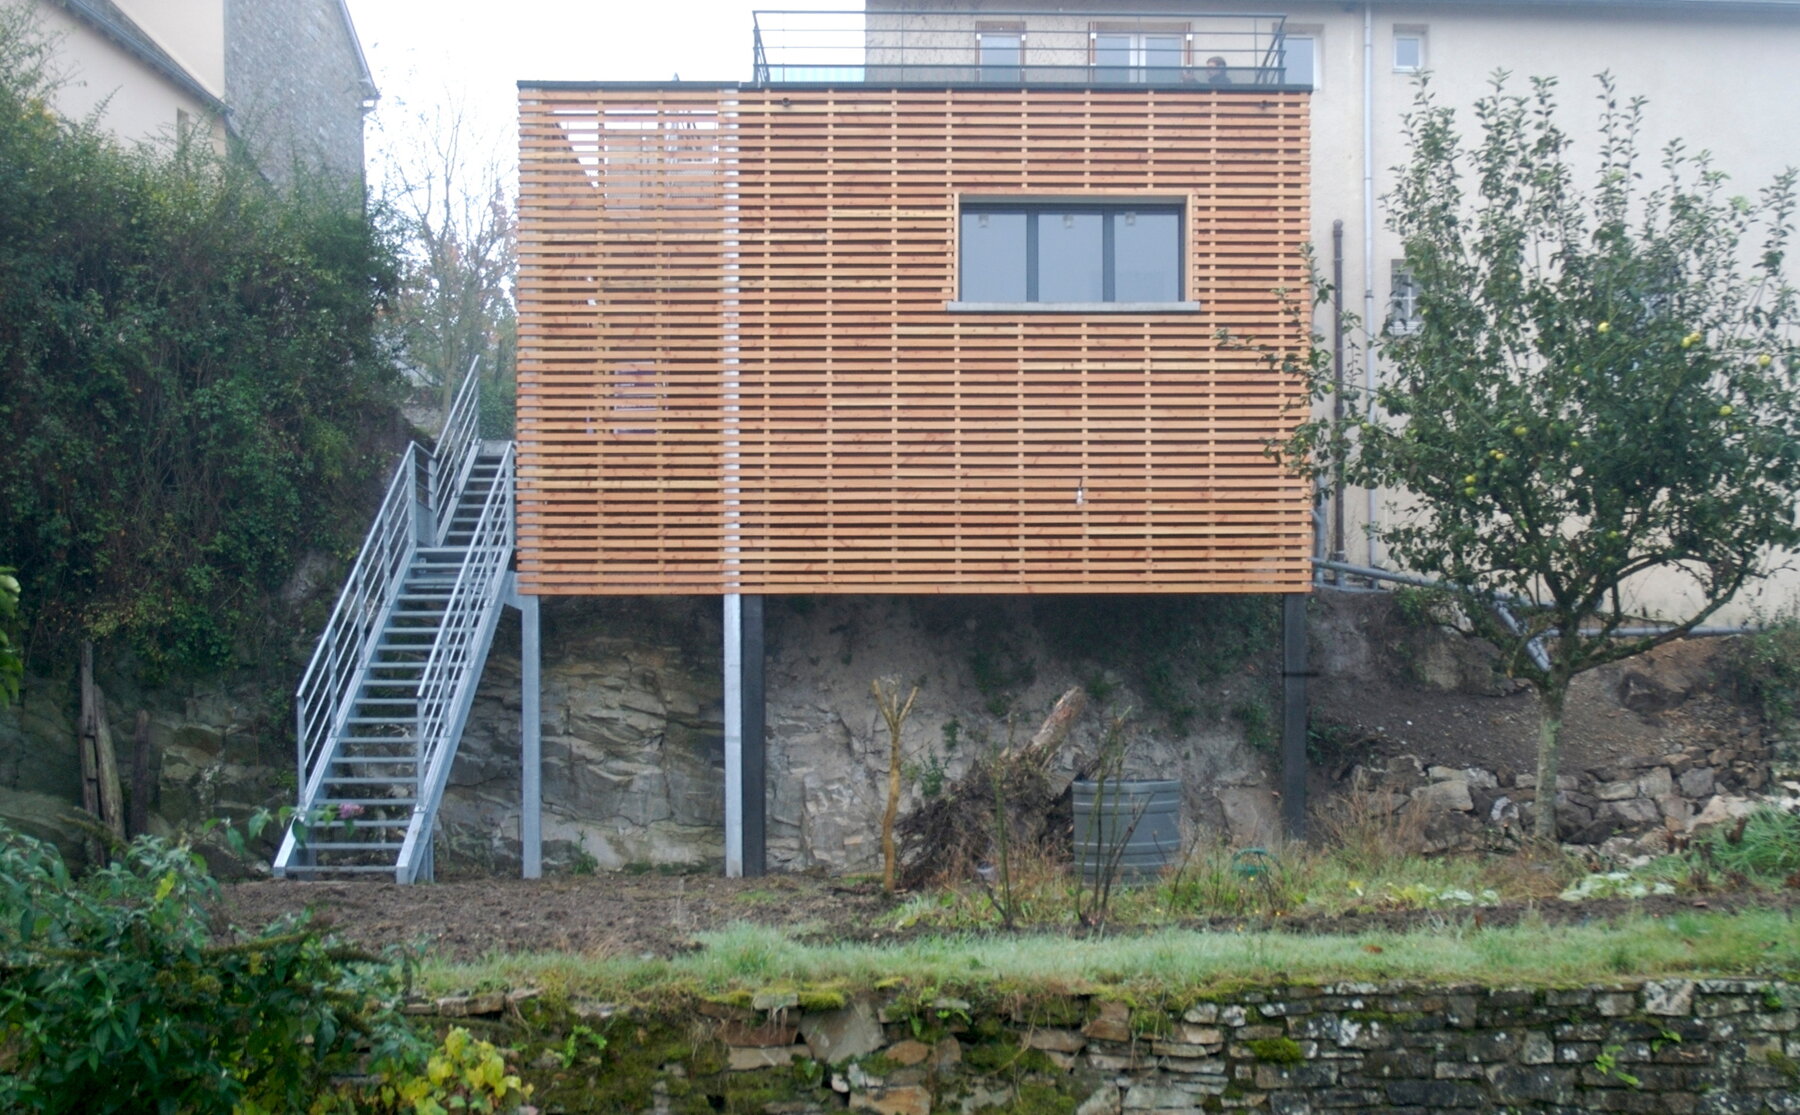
(1721, 81)
(134, 101)
(191, 31)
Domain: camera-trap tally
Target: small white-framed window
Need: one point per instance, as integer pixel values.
(1300, 57)
(1403, 300)
(1409, 50)
(1000, 52)
(1138, 56)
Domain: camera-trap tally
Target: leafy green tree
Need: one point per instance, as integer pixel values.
(1601, 386)
(191, 379)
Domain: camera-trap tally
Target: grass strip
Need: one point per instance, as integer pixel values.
(1452, 952)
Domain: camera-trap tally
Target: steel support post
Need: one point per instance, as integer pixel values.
(734, 735)
(1293, 714)
(531, 726)
(752, 721)
(745, 777)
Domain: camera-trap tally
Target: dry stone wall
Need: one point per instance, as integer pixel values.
(1672, 1047)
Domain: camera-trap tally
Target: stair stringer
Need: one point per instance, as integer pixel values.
(414, 857)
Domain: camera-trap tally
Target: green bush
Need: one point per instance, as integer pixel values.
(1768, 844)
(191, 377)
(1765, 666)
(115, 996)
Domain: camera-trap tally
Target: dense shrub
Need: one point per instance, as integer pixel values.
(114, 995)
(190, 377)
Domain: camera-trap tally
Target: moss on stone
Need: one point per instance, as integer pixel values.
(756, 1089)
(820, 999)
(1005, 1054)
(1052, 1010)
(1150, 1023)
(1276, 1051)
(1036, 1098)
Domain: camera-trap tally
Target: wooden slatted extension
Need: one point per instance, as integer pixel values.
(738, 371)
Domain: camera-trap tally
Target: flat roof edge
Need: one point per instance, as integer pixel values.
(987, 86)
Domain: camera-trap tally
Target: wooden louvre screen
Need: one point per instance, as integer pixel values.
(739, 371)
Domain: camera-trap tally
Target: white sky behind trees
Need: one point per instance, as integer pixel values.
(433, 58)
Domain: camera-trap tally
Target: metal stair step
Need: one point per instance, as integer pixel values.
(331, 868)
(401, 656)
(366, 780)
(316, 846)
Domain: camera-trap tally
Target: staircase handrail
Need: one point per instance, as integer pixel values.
(454, 455)
(459, 649)
(348, 640)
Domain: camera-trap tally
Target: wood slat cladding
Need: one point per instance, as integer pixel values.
(737, 370)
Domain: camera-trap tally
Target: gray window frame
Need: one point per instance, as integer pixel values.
(1108, 209)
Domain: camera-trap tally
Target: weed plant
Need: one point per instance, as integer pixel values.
(1766, 846)
(1216, 882)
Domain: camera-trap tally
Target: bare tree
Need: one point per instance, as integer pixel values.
(449, 190)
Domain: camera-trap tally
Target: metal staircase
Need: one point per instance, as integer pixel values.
(383, 703)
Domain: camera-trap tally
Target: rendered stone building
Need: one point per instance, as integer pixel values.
(285, 80)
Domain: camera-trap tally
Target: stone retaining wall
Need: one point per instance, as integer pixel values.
(1673, 1046)
(1636, 806)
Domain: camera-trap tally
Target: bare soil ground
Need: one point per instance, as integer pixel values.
(659, 916)
(608, 914)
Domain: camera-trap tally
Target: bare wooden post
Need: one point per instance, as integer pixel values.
(100, 791)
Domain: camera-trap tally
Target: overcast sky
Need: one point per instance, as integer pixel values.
(429, 52)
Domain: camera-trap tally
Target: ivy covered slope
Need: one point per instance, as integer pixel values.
(191, 377)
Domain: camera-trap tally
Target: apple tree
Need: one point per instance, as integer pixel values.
(1600, 386)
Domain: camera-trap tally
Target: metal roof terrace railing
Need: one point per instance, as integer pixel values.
(1012, 48)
